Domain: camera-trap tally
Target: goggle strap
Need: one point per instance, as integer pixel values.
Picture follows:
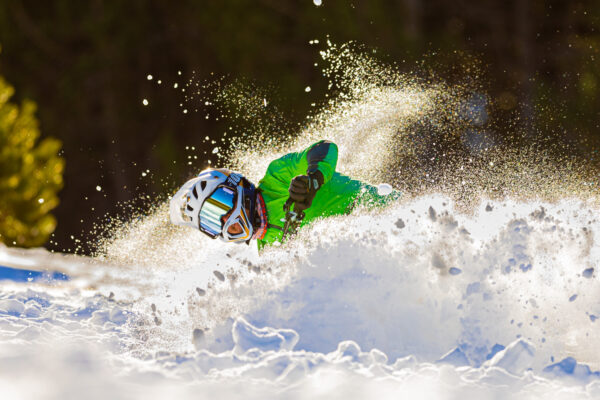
(252, 195)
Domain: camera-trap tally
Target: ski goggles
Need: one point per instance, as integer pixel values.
(215, 207)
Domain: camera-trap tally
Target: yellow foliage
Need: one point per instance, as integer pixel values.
(30, 174)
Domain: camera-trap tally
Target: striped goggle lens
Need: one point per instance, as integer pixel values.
(216, 206)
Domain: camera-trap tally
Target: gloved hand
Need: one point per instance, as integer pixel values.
(303, 189)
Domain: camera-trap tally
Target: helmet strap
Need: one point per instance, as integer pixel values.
(252, 196)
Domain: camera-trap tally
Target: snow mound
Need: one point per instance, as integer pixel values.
(516, 358)
(415, 300)
(247, 337)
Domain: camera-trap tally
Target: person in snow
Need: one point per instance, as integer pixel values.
(222, 203)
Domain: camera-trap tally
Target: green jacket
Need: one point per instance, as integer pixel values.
(338, 195)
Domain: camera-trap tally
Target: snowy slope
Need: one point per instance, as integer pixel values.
(414, 301)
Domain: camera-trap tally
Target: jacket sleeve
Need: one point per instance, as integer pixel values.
(321, 156)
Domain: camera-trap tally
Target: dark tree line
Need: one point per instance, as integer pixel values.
(85, 65)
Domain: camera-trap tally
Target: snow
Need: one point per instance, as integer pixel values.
(516, 358)
(247, 337)
(384, 189)
(417, 301)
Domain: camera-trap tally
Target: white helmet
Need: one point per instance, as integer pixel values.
(215, 194)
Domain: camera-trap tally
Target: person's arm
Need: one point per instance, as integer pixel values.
(320, 156)
(299, 175)
(321, 160)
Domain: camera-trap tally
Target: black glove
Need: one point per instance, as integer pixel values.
(303, 189)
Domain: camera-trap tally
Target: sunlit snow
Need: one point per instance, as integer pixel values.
(355, 307)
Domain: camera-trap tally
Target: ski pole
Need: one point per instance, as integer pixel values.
(292, 219)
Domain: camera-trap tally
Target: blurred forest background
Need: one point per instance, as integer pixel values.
(85, 65)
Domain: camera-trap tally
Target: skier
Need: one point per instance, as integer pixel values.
(224, 204)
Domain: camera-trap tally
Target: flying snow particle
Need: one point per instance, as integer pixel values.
(149, 77)
(317, 2)
(145, 102)
(307, 89)
(98, 188)
(384, 189)
(197, 338)
(219, 276)
(215, 150)
(175, 86)
(41, 201)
